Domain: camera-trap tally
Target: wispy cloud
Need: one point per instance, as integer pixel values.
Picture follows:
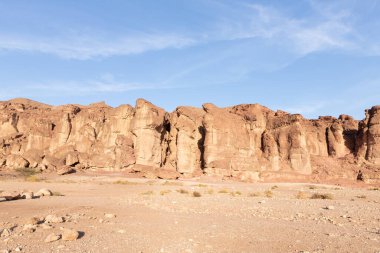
(329, 26)
(89, 47)
(304, 35)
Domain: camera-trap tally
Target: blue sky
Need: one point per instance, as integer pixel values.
(310, 57)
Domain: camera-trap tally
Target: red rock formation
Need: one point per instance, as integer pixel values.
(246, 142)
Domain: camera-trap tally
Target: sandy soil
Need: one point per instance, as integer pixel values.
(156, 216)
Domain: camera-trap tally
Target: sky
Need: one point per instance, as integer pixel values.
(310, 57)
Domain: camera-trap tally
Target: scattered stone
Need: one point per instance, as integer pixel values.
(5, 251)
(6, 232)
(46, 226)
(52, 237)
(29, 228)
(109, 215)
(70, 234)
(51, 218)
(2, 199)
(18, 249)
(262, 202)
(27, 195)
(121, 231)
(34, 221)
(44, 192)
(329, 208)
(10, 195)
(65, 170)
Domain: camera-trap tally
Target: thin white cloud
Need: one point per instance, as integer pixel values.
(307, 109)
(327, 27)
(304, 35)
(89, 47)
(86, 87)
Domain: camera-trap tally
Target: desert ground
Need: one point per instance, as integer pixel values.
(113, 213)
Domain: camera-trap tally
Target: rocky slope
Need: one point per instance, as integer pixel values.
(246, 142)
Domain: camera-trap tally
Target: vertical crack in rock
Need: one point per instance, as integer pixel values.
(201, 147)
(242, 142)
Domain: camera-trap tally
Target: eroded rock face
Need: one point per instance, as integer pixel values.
(185, 140)
(245, 142)
(369, 136)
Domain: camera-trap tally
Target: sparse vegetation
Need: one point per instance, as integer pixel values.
(27, 172)
(321, 196)
(164, 192)
(274, 187)
(202, 185)
(124, 182)
(150, 182)
(312, 187)
(172, 183)
(302, 195)
(210, 191)
(236, 193)
(32, 178)
(147, 193)
(197, 194)
(254, 194)
(183, 191)
(223, 191)
(268, 194)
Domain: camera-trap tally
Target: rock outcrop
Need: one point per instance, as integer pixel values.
(247, 142)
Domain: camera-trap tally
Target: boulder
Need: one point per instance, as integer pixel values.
(65, 170)
(16, 162)
(167, 174)
(69, 234)
(52, 237)
(43, 192)
(51, 218)
(27, 195)
(10, 195)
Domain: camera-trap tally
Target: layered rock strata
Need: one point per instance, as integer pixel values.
(244, 142)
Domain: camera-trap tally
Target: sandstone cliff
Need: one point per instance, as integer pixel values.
(245, 142)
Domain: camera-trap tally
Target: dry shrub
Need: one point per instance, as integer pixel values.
(321, 196)
(32, 178)
(302, 195)
(274, 187)
(164, 192)
(254, 194)
(182, 191)
(210, 191)
(236, 193)
(125, 182)
(147, 193)
(361, 197)
(197, 194)
(268, 194)
(172, 183)
(27, 172)
(223, 191)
